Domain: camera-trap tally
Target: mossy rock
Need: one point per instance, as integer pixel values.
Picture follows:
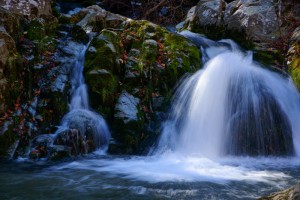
(12, 23)
(79, 34)
(143, 59)
(293, 57)
(103, 53)
(103, 88)
(36, 30)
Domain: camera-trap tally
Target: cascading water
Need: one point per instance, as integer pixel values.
(80, 117)
(233, 106)
(230, 107)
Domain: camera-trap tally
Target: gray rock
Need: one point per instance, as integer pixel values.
(96, 15)
(59, 84)
(292, 193)
(28, 8)
(262, 21)
(258, 18)
(126, 108)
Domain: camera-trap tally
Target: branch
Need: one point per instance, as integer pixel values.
(149, 12)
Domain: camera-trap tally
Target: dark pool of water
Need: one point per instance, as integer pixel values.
(107, 177)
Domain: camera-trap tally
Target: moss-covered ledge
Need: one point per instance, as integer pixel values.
(146, 61)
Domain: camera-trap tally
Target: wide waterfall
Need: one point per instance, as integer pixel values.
(233, 106)
(80, 116)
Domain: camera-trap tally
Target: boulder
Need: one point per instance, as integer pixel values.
(128, 121)
(261, 22)
(81, 132)
(11, 22)
(29, 9)
(146, 61)
(292, 193)
(94, 18)
(259, 19)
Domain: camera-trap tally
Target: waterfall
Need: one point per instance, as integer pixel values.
(232, 106)
(80, 116)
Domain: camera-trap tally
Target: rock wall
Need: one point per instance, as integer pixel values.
(131, 68)
(28, 8)
(265, 26)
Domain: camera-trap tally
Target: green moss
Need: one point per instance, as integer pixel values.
(295, 71)
(103, 90)
(183, 57)
(145, 60)
(36, 30)
(294, 63)
(106, 56)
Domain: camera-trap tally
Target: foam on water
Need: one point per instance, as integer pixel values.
(181, 168)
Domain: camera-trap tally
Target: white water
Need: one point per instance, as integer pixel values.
(190, 148)
(80, 116)
(232, 95)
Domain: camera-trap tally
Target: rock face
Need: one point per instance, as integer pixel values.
(292, 193)
(133, 65)
(293, 59)
(260, 21)
(28, 8)
(24, 107)
(7, 48)
(262, 26)
(95, 18)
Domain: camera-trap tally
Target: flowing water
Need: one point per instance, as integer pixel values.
(200, 154)
(80, 116)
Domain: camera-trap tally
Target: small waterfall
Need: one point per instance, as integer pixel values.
(232, 107)
(80, 117)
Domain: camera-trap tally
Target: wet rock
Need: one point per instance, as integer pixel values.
(90, 127)
(143, 59)
(128, 123)
(73, 141)
(293, 58)
(40, 146)
(292, 193)
(127, 108)
(59, 85)
(12, 149)
(81, 132)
